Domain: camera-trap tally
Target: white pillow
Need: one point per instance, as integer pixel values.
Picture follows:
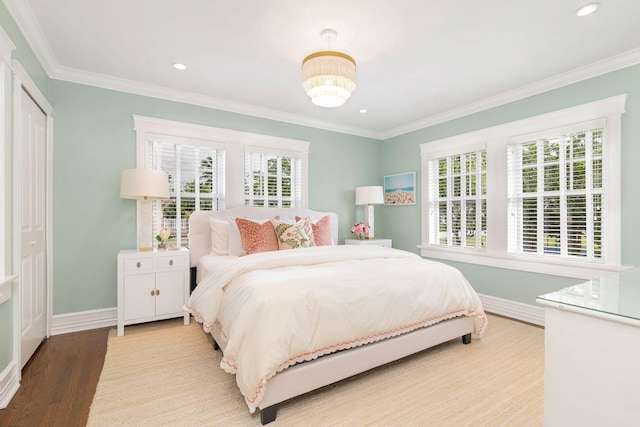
(219, 236)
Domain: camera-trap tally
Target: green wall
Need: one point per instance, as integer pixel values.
(402, 153)
(95, 141)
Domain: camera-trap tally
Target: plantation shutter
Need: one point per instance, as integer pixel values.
(458, 200)
(555, 193)
(196, 182)
(272, 178)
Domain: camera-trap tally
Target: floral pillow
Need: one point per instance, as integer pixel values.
(321, 231)
(257, 237)
(292, 236)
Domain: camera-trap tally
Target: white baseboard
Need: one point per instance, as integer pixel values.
(106, 317)
(9, 383)
(515, 310)
(83, 320)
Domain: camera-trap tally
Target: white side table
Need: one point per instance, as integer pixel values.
(380, 242)
(152, 285)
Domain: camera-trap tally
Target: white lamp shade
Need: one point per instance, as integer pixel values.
(144, 184)
(371, 195)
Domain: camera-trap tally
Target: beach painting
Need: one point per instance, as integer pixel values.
(400, 189)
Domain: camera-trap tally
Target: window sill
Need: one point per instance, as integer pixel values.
(577, 270)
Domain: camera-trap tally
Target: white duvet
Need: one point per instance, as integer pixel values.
(279, 308)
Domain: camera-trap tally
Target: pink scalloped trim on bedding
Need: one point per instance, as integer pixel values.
(198, 317)
(253, 402)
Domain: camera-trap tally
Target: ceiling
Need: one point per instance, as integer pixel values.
(419, 62)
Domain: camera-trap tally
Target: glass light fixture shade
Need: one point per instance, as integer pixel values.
(329, 78)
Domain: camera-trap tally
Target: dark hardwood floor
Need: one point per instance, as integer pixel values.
(59, 381)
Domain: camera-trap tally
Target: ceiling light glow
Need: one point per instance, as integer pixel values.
(364, 110)
(587, 9)
(179, 66)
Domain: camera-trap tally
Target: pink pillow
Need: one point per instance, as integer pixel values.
(321, 231)
(257, 237)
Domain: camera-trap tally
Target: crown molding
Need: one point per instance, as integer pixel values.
(613, 63)
(139, 88)
(26, 21)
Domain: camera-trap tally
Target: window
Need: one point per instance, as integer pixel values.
(213, 169)
(458, 205)
(272, 180)
(556, 194)
(540, 194)
(196, 182)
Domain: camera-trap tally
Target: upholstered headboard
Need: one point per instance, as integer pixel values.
(200, 230)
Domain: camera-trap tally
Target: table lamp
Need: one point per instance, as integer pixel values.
(369, 196)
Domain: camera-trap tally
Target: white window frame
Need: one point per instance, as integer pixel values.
(495, 140)
(234, 142)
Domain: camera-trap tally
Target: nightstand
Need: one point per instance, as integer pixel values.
(380, 242)
(152, 285)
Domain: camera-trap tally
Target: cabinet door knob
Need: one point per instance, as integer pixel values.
(153, 292)
(138, 264)
(170, 262)
(157, 292)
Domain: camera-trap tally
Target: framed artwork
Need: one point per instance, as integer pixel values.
(400, 189)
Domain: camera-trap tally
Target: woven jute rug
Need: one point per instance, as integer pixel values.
(167, 374)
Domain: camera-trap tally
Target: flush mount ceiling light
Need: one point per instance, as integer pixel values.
(179, 66)
(587, 9)
(329, 76)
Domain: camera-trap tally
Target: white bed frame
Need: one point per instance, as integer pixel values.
(325, 370)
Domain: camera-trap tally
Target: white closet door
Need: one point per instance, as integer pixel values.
(33, 283)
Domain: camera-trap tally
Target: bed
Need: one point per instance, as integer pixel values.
(292, 321)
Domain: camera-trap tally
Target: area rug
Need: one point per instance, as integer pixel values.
(167, 374)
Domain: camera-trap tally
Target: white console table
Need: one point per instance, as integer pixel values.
(592, 353)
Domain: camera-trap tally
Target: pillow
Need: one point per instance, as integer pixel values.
(292, 236)
(219, 236)
(257, 237)
(322, 231)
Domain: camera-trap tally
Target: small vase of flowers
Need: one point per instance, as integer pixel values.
(360, 230)
(162, 237)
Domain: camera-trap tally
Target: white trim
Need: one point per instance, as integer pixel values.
(6, 47)
(22, 80)
(9, 383)
(6, 284)
(235, 142)
(28, 24)
(84, 320)
(607, 65)
(512, 309)
(554, 267)
(31, 87)
(497, 139)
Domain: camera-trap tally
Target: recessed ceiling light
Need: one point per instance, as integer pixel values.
(587, 9)
(179, 66)
(364, 110)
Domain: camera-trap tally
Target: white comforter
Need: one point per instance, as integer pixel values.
(279, 308)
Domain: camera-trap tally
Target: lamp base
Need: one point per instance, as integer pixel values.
(145, 242)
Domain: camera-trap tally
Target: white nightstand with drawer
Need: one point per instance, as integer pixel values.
(152, 285)
(380, 242)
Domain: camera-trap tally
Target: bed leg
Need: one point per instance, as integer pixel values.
(268, 414)
(466, 339)
(215, 345)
